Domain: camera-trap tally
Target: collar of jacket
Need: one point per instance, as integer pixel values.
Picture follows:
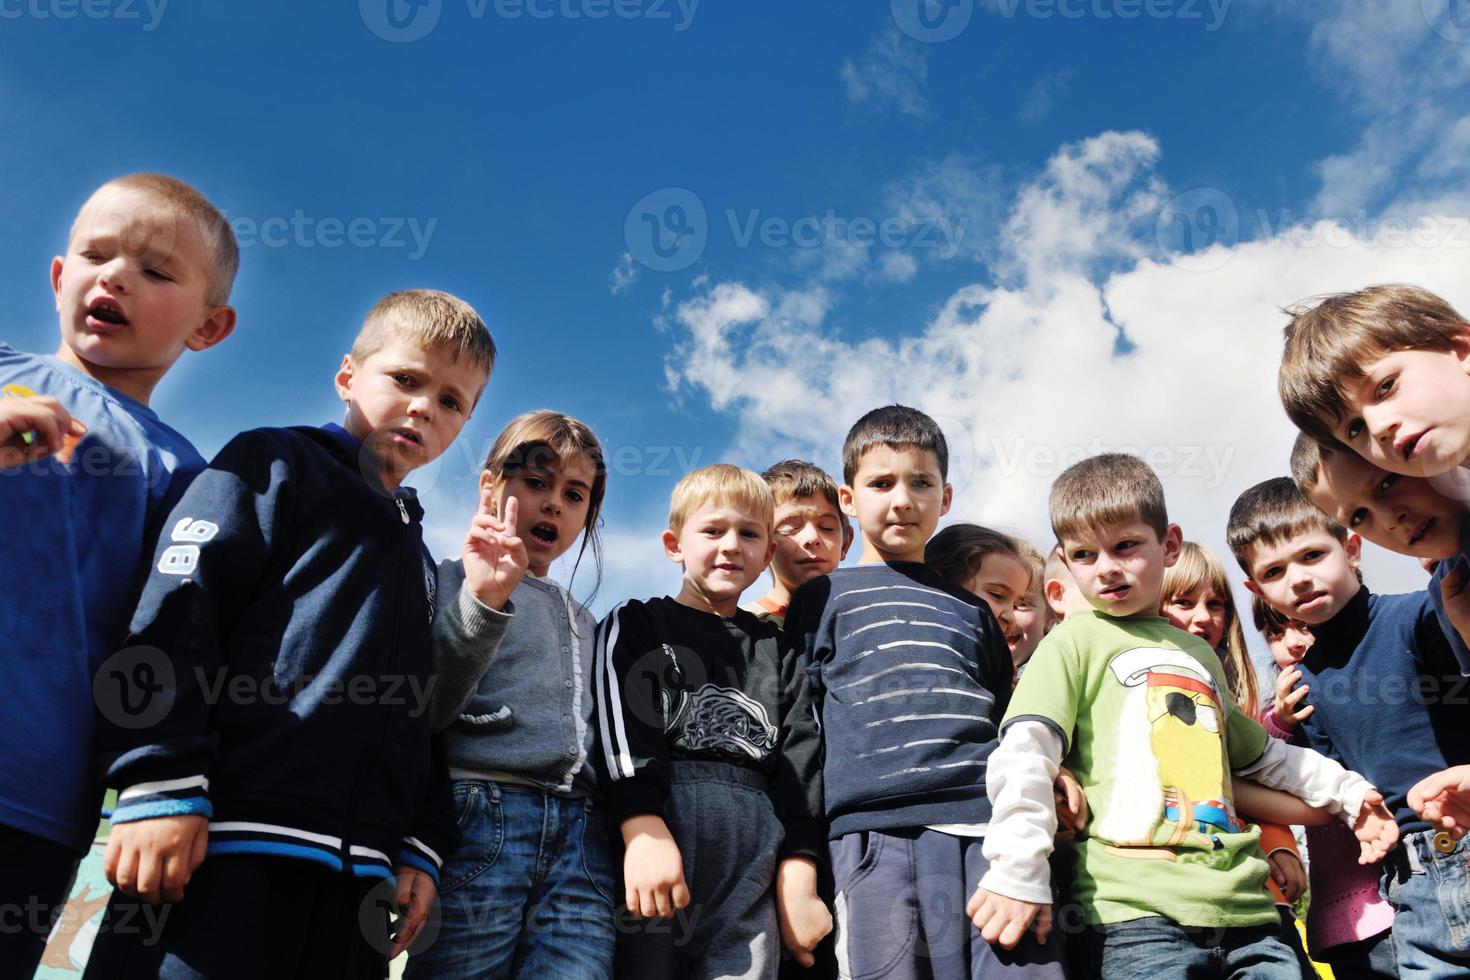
(345, 446)
(1337, 638)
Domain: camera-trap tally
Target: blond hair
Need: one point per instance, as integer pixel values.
(185, 200)
(1100, 491)
(429, 318)
(726, 484)
(1329, 345)
(1199, 566)
(537, 439)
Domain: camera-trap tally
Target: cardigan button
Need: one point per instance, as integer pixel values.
(1443, 842)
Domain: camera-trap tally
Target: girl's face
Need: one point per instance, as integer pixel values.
(1202, 611)
(1029, 613)
(1001, 580)
(554, 497)
(1288, 645)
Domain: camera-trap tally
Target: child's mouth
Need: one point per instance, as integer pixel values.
(1423, 530)
(107, 311)
(1409, 445)
(545, 533)
(1310, 599)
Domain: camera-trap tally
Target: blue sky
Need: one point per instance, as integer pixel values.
(1037, 290)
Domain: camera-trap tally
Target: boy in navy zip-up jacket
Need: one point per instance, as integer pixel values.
(275, 710)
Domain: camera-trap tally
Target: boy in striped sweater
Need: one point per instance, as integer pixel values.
(911, 676)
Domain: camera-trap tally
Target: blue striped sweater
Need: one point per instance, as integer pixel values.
(911, 676)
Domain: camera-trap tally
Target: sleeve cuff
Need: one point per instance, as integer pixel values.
(418, 855)
(479, 618)
(188, 796)
(804, 838)
(631, 797)
(1035, 892)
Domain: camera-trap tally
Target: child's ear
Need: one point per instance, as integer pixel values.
(344, 378)
(1254, 589)
(56, 280)
(770, 551)
(218, 325)
(844, 501)
(1173, 544)
(671, 547)
(948, 499)
(487, 482)
(1354, 548)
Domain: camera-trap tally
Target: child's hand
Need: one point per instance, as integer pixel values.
(1457, 601)
(804, 917)
(1286, 699)
(1443, 799)
(1071, 804)
(1005, 920)
(653, 868)
(154, 859)
(416, 894)
(494, 557)
(1288, 873)
(40, 418)
(1375, 829)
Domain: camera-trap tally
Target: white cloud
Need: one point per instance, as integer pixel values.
(1039, 99)
(1026, 377)
(624, 274)
(891, 74)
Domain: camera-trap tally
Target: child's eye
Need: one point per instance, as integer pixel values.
(749, 534)
(1353, 429)
(158, 274)
(1386, 483)
(1270, 573)
(404, 379)
(450, 403)
(1357, 517)
(575, 496)
(535, 482)
(1385, 386)
(1312, 555)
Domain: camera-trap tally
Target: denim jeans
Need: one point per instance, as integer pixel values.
(528, 893)
(1427, 882)
(1156, 947)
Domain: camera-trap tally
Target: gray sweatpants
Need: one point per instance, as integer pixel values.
(900, 912)
(727, 831)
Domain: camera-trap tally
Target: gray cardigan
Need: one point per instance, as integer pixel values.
(527, 717)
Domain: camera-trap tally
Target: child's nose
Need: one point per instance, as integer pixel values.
(114, 275)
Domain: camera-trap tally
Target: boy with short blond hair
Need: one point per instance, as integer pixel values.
(1386, 372)
(1381, 685)
(910, 675)
(1170, 881)
(286, 616)
(88, 471)
(711, 752)
(812, 533)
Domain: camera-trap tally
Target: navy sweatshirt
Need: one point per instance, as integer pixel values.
(911, 676)
(283, 687)
(1390, 701)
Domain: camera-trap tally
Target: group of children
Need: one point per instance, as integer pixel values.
(957, 758)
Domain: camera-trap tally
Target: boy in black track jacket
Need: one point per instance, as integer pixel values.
(270, 705)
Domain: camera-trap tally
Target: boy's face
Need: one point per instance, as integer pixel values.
(723, 549)
(405, 403)
(1029, 613)
(808, 540)
(131, 289)
(1288, 644)
(1308, 577)
(1410, 413)
(1119, 568)
(897, 497)
(1000, 581)
(1401, 513)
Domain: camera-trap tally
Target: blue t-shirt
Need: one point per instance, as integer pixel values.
(1462, 563)
(75, 535)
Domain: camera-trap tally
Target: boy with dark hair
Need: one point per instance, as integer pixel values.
(910, 674)
(1382, 697)
(812, 533)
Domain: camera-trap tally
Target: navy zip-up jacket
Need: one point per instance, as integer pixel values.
(277, 673)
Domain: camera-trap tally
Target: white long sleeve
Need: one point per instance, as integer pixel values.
(1310, 775)
(1023, 819)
